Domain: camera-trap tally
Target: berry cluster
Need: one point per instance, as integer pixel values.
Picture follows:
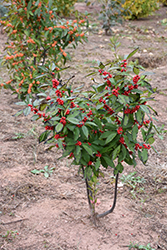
(63, 120)
(132, 110)
(138, 146)
(123, 65)
(120, 130)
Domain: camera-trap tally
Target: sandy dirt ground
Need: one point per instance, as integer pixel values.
(52, 213)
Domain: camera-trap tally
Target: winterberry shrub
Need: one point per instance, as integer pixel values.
(112, 13)
(64, 7)
(140, 8)
(3, 9)
(99, 128)
(37, 39)
(164, 2)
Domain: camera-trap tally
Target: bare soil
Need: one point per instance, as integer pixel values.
(52, 213)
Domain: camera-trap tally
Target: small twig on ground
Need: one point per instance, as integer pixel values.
(10, 222)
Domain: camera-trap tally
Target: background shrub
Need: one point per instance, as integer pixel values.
(64, 7)
(164, 2)
(36, 45)
(112, 12)
(3, 8)
(140, 8)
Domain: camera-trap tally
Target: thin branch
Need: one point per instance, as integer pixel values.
(87, 188)
(10, 222)
(114, 202)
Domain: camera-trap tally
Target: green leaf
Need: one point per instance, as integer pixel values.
(110, 126)
(29, 5)
(109, 161)
(27, 111)
(46, 175)
(151, 140)
(111, 137)
(105, 134)
(73, 120)
(35, 171)
(136, 70)
(65, 153)
(20, 103)
(91, 123)
(143, 134)
(101, 65)
(112, 80)
(143, 155)
(19, 113)
(88, 149)
(59, 127)
(85, 131)
(43, 106)
(119, 168)
(116, 152)
(139, 116)
(145, 109)
(27, 33)
(44, 136)
(97, 164)
(98, 122)
(35, 117)
(125, 120)
(123, 99)
(132, 53)
(76, 133)
(104, 163)
(88, 172)
(77, 154)
(122, 154)
(74, 114)
(134, 132)
(85, 155)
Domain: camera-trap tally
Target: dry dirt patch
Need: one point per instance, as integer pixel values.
(38, 213)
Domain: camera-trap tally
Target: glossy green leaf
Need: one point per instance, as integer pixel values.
(143, 134)
(136, 70)
(85, 155)
(134, 132)
(59, 127)
(123, 99)
(97, 163)
(151, 140)
(143, 155)
(119, 168)
(116, 152)
(139, 116)
(110, 137)
(132, 53)
(20, 103)
(27, 111)
(44, 136)
(77, 154)
(19, 113)
(125, 120)
(72, 120)
(91, 123)
(104, 163)
(109, 161)
(43, 106)
(122, 154)
(76, 133)
(88, 172)
(87, 148)
(105, 134)
(85, 131)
